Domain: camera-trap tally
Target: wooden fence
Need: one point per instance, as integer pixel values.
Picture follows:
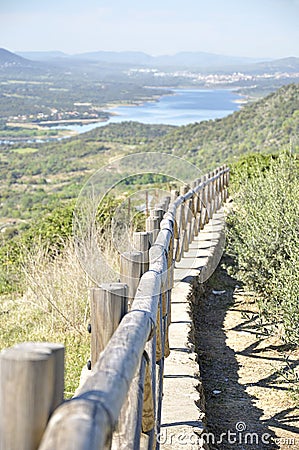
(119, 404)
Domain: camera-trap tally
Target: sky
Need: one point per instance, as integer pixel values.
(253, 28)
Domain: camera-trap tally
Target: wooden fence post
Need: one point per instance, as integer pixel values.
(129, 428)
(176, 235)
(223, 186)
(203, 203)
(211, 195)
(227, 183)
(198, 208)
(130, 272)
(185, 221)
(220, 187)
(128, 433)
(167, 201)
(57, 351)
(215, 192)
(108, 305)
(157, 213)
(152, 225)
(141, 243)
(27, 396)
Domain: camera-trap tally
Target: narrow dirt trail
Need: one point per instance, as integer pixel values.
(248, 404)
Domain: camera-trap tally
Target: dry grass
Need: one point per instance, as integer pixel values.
(54, 308)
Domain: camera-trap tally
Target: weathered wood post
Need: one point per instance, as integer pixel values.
(185, 221)
(108, 305)
(57, 351)
(169, 281)
(195, 208)
(226, 184)
(152, 225)
(27, 395)
(176, 231)
(200, 204)
(128, 433)
(215, 173)
(220, 187)
(158, 254)
(167, 201)
(211, 195)
(223, 187)
(130, 272)
(220, 192)
(215, 191)
(203, 203)
(220, 178)
(141, 243)
(129, 429)
(157, 213)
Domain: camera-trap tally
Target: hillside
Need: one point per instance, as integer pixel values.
(290, 64)
(264, 126)
(11, 59)
(10, 62)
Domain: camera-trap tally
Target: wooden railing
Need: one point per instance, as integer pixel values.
(119, 404)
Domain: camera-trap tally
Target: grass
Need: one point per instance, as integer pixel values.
(54, 308)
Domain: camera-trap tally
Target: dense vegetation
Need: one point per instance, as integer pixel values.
(263, 237)
(129, 133)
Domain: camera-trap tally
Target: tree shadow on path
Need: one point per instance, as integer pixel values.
(233, 420)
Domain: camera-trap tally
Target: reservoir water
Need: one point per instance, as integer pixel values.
(183, 107)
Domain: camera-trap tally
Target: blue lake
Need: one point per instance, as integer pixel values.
(184, 107)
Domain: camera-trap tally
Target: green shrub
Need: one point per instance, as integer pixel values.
(248, 167)
(263, 238)
(50, 232)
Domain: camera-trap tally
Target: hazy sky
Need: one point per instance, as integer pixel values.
(258, 28)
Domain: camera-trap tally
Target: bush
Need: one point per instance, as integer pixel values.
(248, 167)
(263, 238)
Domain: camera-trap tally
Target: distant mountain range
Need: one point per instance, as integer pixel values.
(179, 59)
(42, 56)
(194, 59)
(187, 60)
